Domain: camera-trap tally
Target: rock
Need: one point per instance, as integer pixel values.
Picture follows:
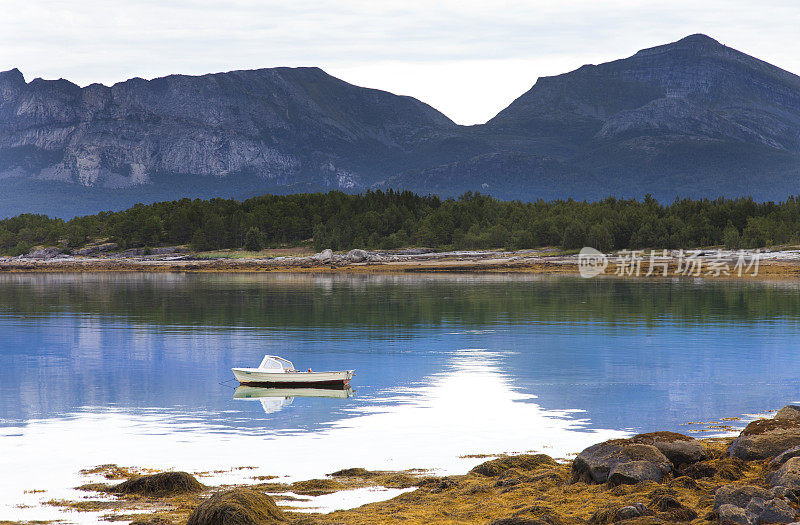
(512, 477)
(356, 255)
(355, 472)
(731, 514)
(632, 472)
(595, 464)
(98, 248)
(45, 253)
(787, 476)
(532, 515)
(788, 412)
(672, 509)
(783, 457)
(679, 449)
(739, 495)
(522, 461)
(154, 520)
(159, 485)
(769, 511)
(241, 506)
(325, 256)
(765, 438)
(613, 514)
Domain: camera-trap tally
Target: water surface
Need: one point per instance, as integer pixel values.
(134, 369)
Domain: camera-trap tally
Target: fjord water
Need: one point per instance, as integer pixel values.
(134, 369)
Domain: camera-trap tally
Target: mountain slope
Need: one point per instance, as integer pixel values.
(692, 118)
(282, 125)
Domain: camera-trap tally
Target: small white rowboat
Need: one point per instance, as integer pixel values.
(278, 372)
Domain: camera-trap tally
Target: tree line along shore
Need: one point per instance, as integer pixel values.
(390, 220)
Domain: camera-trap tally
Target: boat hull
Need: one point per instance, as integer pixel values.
(260, 378)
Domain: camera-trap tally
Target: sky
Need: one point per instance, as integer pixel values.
(469, 59)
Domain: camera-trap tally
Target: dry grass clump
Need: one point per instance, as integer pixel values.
(240, 506)
(160, 485)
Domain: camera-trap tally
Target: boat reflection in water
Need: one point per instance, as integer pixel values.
(273, 399)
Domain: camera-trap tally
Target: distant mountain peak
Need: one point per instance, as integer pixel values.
(697, 43)
(14, 76)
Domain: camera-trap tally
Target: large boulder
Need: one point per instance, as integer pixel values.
(325, 256)
(732, 515)
(784, 456)
(773, 510)
(49, 252)
(241, 506)
(356, 256)
(160, 485)
(681, 450)
(739, 495)
(522, 462)
(750, 505)
(765, 438)
(596, 463)
(788, 412)
(632, 472)
(787, 476)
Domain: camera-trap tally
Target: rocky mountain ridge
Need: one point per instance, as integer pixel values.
(692, 118)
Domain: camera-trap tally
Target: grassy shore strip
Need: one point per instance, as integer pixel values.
(784, 265)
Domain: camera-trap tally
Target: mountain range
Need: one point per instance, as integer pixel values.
(693, 118)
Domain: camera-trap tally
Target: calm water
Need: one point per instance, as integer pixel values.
(135, 369)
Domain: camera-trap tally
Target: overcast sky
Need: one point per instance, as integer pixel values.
(469, 59)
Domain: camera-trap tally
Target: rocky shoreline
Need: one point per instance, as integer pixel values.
(651, 478)
(778, 263)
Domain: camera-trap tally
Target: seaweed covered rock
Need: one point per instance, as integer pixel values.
(596, 463)
(160, 485)
(670, 509)
(522, 462)
(681, 450)
(532, 515)
(765, 438)
(788, 412)
(239, 506)
(787, 476)
(355, 472)
(616, 513)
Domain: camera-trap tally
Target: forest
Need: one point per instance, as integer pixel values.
(390, 220)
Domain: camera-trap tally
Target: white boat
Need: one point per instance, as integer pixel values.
(276, 371)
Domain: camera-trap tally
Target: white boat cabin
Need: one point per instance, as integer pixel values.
(275, 364)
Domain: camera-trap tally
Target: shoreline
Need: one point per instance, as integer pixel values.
(651, 478)
(780, 264)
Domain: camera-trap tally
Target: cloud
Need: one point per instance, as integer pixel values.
(466, 55)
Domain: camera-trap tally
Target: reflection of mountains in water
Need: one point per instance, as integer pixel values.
(273, 399)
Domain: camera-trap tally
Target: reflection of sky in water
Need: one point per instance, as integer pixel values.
(448, 367)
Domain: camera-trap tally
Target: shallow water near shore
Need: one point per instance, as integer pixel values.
(134, 369)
